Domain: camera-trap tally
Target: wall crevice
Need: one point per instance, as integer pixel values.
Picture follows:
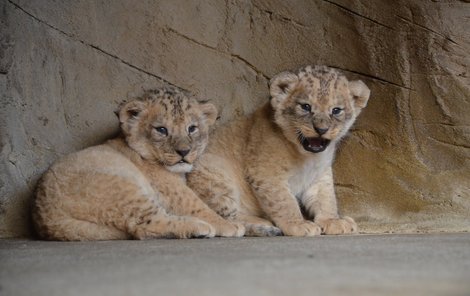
(358, 14)
(273, 14)
(411, 22)
(372, 77)
(232, 55)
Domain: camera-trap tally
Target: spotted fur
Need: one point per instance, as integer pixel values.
(134, 186)
(274, 167)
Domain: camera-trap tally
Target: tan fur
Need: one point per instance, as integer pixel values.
(134, 186)
(259, 169)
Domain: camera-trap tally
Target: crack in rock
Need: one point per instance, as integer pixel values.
(358, 14)
(71, 36)
(281, 17)
(235, 56)
(427, 29)
(449, 143)
(372, 77)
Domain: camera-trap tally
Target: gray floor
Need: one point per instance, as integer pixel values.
(329, 265)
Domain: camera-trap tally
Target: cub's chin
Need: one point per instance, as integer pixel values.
(314, 144)
(180, 168)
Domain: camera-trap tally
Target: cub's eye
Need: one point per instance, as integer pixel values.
(192, 129)
(162, 130)
(133, 112)
(306, 107)
(336, 111)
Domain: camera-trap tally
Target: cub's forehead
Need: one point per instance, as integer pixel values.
(322, 82)
(171, 104)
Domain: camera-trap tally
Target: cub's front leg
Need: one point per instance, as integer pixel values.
(320, 203)
(281, 206)
(181, 200)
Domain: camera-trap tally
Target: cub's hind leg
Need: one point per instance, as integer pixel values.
(62, 211)
(66, 228)
(163, 225)
(103, 206)
(142, 216)
(147, 218)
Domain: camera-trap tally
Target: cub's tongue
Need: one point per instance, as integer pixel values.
(315, 145)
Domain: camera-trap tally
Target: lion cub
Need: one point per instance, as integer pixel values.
(274, 167)
(134, 186)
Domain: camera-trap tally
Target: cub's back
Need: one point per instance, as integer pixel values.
(97, 159)
(228, 140)
(67, 179)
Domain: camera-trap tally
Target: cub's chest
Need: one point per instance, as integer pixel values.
(308, 172)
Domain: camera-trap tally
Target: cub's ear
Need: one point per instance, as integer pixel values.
(209, 111)
(360, 93)
(281, 86)
(130, 110)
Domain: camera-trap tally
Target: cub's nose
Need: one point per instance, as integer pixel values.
(321, 131)
(182, 153)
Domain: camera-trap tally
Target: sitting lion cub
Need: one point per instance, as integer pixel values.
(134, 186)
(274, 167)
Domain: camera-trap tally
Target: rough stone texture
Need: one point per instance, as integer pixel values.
(65, 65)
(356, 265)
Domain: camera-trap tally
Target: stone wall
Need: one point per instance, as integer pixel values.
(65, 65)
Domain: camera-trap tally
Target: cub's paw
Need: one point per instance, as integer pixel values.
(301, 228)
(262, 230)
(344, 225)
(200, 229)
(174, 227)
(230, 230)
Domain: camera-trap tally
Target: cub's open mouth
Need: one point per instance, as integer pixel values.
(315, 145)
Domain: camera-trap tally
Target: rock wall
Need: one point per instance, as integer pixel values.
(65, 65)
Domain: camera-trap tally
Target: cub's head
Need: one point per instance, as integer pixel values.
(316, 106)
(168, 127)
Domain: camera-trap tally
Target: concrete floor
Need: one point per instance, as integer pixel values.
(437, 264)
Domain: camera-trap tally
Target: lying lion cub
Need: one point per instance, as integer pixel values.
(276, 163)
(134, 186)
